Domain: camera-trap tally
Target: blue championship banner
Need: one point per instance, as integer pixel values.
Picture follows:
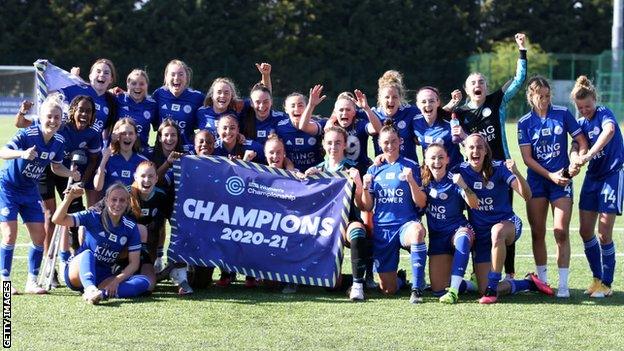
(259, 221)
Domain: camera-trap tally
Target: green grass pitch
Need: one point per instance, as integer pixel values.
(236, 318)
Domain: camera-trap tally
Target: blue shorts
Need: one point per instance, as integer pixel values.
(29, 206)
(542, 187)
(441, 243)
(101, 273)
(387, 242)
(603, 196)
(482, 248)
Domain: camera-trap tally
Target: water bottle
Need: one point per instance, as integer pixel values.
(455, 122)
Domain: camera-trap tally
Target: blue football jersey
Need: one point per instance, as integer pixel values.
(207, 119)
(102, 110)
(445, 205)
(22, 175)
(106, 245)
(439, 132)
(304, 150)
(403, 121)
(392, 194)
(143, 113)
(87, 141)
(182, 110)
(494, 200)
(611, 158)
(548, 137)
(357, 142)
(122, 170)
(268, 126)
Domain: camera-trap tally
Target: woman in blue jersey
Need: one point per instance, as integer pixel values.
(260, 121)
(392, 191)
(450, 235)
(392, 105)
(603, 187)
(222, 98)
(121, 157)
(347, 116)
(495, 224)
(355, 238)
(27, 155)
(135, 104)
(102, 75)
(300, 135)
(542, 136)
(431, 127)
(108, 232)
(178, 102)
(80, 138)
(231, 145)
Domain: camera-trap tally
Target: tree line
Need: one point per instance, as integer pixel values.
(342, 44)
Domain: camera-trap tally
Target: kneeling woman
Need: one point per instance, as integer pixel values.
(495, 224)
(450, 235)
(107, 233)
(393, 191)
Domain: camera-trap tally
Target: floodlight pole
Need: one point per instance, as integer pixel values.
(616, 47)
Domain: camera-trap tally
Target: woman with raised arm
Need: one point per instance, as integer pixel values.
(486, 113)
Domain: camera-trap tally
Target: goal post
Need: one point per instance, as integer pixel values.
(17, 83)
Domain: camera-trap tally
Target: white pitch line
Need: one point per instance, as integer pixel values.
(528, 229)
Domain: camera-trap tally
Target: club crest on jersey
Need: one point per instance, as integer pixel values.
(594, 132)
(443, 196)
(478, 185)
(390, 175)
(147, 114)
(489, 185)
(311, 141)
(546, 132)
(402, 177)
(487, 112)
(187, 109)
(125, 173)
(401, 125)
(558, 130)
(175, 107)
(299, 141)
(83, 145)
(105, 110)
(123, 240)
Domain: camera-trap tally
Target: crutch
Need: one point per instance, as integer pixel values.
(49, 260)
